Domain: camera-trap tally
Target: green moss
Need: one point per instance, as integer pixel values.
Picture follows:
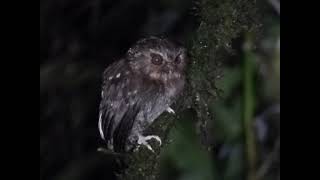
(222, 21)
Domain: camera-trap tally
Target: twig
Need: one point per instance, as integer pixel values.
(249, 108)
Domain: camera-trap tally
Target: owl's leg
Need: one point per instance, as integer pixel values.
(170, 110)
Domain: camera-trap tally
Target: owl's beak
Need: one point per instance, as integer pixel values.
(168, 68)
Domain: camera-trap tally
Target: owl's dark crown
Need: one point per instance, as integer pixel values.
(162, 45)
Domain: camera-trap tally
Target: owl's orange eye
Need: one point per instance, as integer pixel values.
(156, 59)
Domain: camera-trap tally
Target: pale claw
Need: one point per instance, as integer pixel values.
(143, 141)
(170, 110)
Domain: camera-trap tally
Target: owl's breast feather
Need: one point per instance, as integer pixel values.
(175, 87)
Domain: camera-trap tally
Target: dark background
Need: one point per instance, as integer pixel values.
(79, 38)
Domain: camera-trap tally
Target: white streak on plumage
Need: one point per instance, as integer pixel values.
(100, 127)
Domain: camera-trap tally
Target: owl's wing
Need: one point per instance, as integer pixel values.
(123, 129)
(107, 115)
(123, 97)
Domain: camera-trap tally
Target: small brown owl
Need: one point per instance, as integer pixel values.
(139, 88)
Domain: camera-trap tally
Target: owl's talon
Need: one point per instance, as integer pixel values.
(145, 144)
(157, 138)
(170, 110)
(150, 148)
(143, 140)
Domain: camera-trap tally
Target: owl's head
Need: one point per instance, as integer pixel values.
(158, 59)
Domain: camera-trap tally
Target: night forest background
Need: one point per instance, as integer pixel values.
(227, 125)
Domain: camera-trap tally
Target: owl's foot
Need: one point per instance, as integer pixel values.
(157, 138)
(143, 140)
(170, 110)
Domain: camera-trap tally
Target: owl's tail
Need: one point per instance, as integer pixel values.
(124, 128)
(106, 121)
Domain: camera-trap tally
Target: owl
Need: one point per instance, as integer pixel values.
(137, 89)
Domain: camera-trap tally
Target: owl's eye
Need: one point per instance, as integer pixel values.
(156, 59)
(178, 60)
